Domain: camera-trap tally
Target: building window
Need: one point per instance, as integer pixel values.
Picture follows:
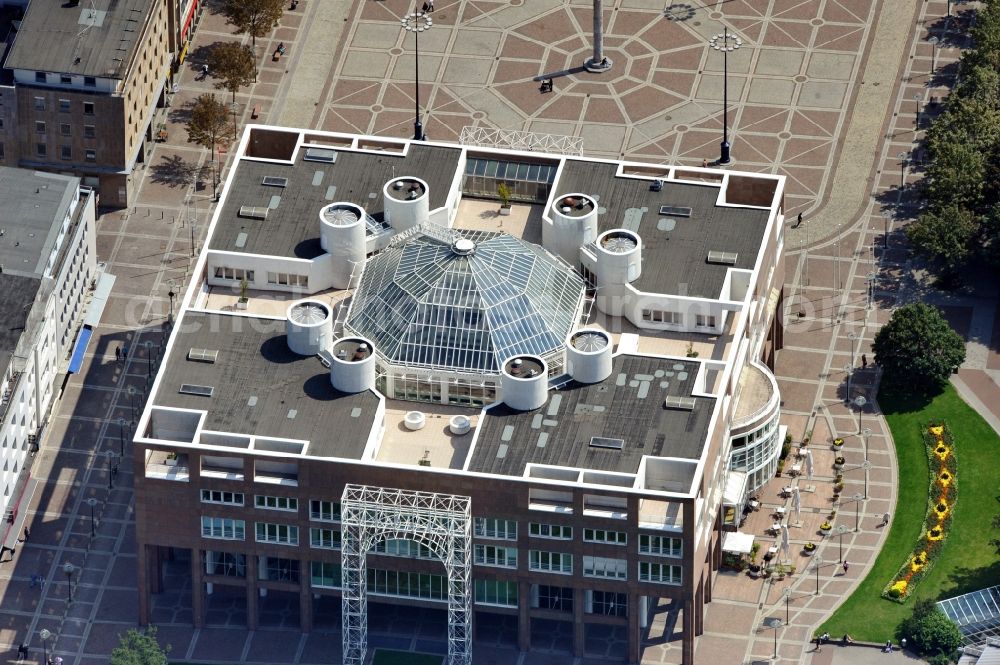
(40, 77)
(289, 503)
(660, 545)
(324, 511)
(222, 528)
(659, 316)
(486, 527)
(661, 573)
(496, 592)
(226, 564)
(90, 155)
(287, 279)
(65, 79)
(553, 531)
(403, 547)
(278, 569)
(90, 81)
(602, 536)
(607, 603)
(65, 152)
(88, 108)
(324, 539)
(89, 131)
(64, 106)
(40, 126)
(326, 575)
(236, 274)
(558, 598)
(407, 585)
(552, 562)
(39, 103)
(40, 149)
(500, 557)
(219, 496)
(704, 320)
(599, 566)
(65, 129)
(280, 534)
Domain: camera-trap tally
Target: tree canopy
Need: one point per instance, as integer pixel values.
(209, 121)
(139, 647)
(930, 632)
(253, 17)
(234, 65)
(944, 236)
(917, 349)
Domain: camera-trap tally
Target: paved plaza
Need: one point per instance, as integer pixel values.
(824, 91)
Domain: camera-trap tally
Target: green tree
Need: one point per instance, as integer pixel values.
(209, 122)
(234, 64)
(930, 632)
(139, 647)
(253, 17)
(956, 172)
(917, 349)
(944, 236)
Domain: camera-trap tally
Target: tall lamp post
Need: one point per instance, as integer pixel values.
(598, 62)
(848, 370)
(45, 634)
(725, 42)
(902, 169)
(416, 23)
(858, 498)
(69, 569)
(841, 530)
(818, 562)
(149, 359)
(131, 395)
(93, 525)
(774, 623)
(866, 434)
(860, 402)
(171, 285)
(788, 596)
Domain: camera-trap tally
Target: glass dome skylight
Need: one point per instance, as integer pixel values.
(464, 300)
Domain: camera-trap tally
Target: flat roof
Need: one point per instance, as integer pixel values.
(92, 38)
(260, 387)
(675, 252)
(17, 295)
(33, 206)
(292, 227)
(629, 406)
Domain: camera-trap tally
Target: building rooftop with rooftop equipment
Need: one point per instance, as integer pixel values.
(588, 376)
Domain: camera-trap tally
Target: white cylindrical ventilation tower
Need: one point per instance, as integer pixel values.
(524, 382)
(342, 235)
(353, 367)
(309, 327)
(588, 355)
(574, 224)
(406, 202)
(619, 257)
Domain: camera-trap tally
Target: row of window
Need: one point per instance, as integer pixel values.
(287, 279)
(66, 79)
(238, 274)
(65, 152)
(507, 530)
(66, 129)
(676, 318)
(65, 106)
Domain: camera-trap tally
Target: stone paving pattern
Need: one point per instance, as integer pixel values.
(818, 86)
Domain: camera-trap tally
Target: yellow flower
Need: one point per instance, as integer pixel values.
(945, 479)
(900, 586)
(937, 533)
(937, 431)
(918, 561)
(942, 451)
(941, 508)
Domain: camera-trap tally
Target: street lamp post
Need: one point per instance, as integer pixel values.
(416, 23)
(788, 596)
(902, 169)
(598, 62)
(933, 41)
(131, 395)
(841, 530)
(234, 107)
(725, 42)
(870, 282)
(111, 469)
(858, 498)
(866, 434)
(818, 562)
(866, 465)
(774, 623)
(149, 359)
(93, 525)
(852, 336)
(848, 370)
(860, 402)
(917, 98)
(45, 634)
(69, 569)
(171, 284)
(885, 236)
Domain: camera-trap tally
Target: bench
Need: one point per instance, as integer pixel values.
(255, 113)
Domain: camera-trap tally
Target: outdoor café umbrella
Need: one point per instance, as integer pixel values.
(809, 464)
(797, 503)
(784, 539)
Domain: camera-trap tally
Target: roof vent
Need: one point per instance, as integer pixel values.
(681, 403)
(675, 211)
(274, 181)
(200, 391)
(253, 212)
(723, 258)
(327, 155)
(203, 355)
(604, 442)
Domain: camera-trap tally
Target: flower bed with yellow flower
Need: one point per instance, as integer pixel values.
(941, 495)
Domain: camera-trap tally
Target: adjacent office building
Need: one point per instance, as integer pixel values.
(48, 267)
(376, 370)
(84, 85)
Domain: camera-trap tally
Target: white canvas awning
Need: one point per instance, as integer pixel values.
(736, 483)
(737, 542)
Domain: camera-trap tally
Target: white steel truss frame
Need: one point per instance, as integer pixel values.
(442, 522)
(513, 139)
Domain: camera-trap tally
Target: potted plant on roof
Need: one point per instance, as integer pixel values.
(242, 302)
(838, 442)
(503, 190)
(839, 462)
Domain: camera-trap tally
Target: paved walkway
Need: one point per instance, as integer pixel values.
(810, 89)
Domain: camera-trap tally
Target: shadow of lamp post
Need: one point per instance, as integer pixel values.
(69, 569)
(93, 525)
(774, 623)
(858, 498)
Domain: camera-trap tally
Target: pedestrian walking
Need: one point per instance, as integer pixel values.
(885, 519)
(125, 352)
(864, 361)
(118, 353)
(22, 651)
(846, 566)
(799, 220)
(430, 5)
(26, 534)
(704, 163)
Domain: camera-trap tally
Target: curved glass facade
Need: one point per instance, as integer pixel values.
(757, 452)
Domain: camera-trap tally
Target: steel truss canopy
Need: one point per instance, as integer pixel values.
(440, 522)
(464, 300)
(512, 139)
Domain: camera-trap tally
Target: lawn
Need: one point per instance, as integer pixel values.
(386, 657)
(968, 561)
